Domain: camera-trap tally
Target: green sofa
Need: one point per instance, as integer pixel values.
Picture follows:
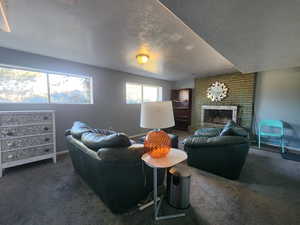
(111, 165)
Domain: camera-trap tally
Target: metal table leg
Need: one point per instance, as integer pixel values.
(157, 205)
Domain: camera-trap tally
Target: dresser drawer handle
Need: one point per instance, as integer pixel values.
(45, 117)
(46, 128)
(47, 150)
(9, 133)
(47, 139)
(11, 144)
(10, 156)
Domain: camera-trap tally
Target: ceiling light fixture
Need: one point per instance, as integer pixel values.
(142, 58)
(3, 17)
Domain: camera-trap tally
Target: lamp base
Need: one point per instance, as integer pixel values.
(157, 143)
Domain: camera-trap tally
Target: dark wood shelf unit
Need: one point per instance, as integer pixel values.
(182, 106)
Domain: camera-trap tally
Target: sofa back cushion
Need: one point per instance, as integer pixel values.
(196, 141)
(95, 141)
(79, 128)
(104, 131)
(226, 140)
(208, 132)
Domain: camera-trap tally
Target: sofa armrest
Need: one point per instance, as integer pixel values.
(208, 132)
(194, 141)
(67, 132)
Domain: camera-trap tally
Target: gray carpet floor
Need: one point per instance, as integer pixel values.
(268, 192)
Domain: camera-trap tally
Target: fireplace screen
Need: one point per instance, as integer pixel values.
(221, 116)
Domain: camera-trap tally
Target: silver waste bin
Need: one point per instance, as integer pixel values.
(178, 187)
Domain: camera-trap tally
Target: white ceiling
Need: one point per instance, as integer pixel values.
(255, 35)
(109, 33)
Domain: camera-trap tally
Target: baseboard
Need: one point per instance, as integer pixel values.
(278, 146)
(62, 152)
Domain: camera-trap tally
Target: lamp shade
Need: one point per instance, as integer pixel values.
(157, 115)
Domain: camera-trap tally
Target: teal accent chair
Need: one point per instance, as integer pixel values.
(277, 124)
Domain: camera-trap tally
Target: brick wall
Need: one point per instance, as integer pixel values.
(241, 93)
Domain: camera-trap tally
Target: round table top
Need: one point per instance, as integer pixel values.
(174, 157)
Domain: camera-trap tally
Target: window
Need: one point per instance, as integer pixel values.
(69, 89)
(133, 93)
(17, 86)
(138, 93)
(25, 86)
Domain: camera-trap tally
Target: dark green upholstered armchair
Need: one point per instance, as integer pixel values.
(220, 151)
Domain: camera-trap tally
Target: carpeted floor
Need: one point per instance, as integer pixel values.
(268, 193)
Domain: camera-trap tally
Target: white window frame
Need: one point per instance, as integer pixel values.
(159, 92)
(47, 72)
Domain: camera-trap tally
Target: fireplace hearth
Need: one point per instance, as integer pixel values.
(218, 114)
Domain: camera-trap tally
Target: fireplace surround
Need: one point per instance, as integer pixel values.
(216, 114)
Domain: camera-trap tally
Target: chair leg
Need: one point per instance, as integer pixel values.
(282, 145)
(259, 141)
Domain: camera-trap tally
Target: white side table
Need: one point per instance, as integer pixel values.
(174, 157)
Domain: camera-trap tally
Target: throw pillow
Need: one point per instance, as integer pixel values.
(230, 124)
(227, 132)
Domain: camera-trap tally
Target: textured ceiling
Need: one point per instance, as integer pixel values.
(255, 35)
(109, 34)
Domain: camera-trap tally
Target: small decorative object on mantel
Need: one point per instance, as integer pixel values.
(217, 91)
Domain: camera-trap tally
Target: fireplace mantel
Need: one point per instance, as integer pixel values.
(219, 107)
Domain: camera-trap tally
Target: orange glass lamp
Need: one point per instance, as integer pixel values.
(157, 115)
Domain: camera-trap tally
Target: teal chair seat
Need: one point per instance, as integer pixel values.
(275, 129)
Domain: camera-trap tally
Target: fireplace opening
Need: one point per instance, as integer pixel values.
(217, 116)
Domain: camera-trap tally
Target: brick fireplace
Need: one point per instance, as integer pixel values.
(239, 100)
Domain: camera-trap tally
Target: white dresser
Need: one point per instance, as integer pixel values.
(26, 136)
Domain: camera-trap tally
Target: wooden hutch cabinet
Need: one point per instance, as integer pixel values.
(182, 106)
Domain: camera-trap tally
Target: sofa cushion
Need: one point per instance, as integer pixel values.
(79, 128)
(95, 141)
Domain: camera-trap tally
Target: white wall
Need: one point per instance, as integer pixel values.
(187, 83)
(278, 97)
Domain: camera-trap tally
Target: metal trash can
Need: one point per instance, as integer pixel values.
(178, 187)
